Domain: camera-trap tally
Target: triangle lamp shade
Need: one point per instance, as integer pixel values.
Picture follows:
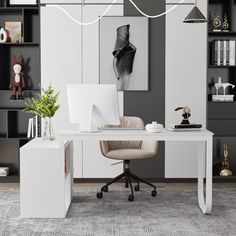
(195, 16)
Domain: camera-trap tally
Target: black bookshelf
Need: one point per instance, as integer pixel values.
(13, 121)
(221, 116)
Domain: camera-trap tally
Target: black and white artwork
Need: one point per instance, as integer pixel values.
(124, 52)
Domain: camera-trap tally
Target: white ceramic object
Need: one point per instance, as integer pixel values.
(154, 127)
(3, 35)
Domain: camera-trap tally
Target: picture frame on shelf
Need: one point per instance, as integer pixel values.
(14, 31)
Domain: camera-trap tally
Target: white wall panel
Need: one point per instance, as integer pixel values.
(94, 164)
(61, 63)
(186, 71)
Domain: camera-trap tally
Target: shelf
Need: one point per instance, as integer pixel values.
(20, 44)
(212, 102)
(30, 7)
(216, 34)
(9, 179)
(220, 67)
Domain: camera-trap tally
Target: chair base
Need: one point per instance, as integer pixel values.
(128, 175)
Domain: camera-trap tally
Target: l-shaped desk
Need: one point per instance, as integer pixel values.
(204, 139)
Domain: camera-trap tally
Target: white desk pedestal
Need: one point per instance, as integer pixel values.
(46, 179)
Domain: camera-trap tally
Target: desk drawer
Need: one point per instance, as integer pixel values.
(222, 127)
(225, 110)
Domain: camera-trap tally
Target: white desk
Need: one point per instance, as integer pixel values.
(204, 138)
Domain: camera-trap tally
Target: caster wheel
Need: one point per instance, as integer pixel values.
(105, 189)
(131, 198)
(99, 195)
(137, 188)
(154, 193)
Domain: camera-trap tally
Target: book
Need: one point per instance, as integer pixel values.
(191, 127)
(187, 126)
(224, 53)
(29, 128)
(232, 52)
(218, 45)
(227, 52)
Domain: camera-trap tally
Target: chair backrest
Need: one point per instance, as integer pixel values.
(125, 122)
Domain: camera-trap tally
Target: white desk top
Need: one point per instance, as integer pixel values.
(165, 135)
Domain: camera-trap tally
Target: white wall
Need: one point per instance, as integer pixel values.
(186, 73)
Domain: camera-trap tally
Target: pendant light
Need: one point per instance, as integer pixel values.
(195, 16)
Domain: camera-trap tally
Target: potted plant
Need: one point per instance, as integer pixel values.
(45, 106)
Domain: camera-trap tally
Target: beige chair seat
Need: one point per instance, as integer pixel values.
(129, 154)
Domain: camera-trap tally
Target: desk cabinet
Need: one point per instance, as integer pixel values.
(46, 179)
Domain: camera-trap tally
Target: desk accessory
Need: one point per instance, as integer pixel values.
(154, 127)
(186, 113)
(225, 163)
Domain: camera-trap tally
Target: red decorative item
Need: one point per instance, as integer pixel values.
(17, 80)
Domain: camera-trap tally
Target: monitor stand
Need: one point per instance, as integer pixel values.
(87, 127)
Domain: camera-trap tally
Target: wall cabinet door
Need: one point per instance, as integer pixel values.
(61, 61)
(70, 54)
(94, 164)
(186, 72)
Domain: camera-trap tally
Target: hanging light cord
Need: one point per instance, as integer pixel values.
(109, 7)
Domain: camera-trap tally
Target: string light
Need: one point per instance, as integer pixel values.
(108, 8)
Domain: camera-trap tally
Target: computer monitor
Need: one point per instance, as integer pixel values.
(93, 105)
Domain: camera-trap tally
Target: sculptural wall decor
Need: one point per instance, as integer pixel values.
(124, 52)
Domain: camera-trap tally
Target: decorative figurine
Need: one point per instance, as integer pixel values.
(216, 22)
(225, 163)
(17, 80)
(3, 35)
(186, 113)
(223, 97)
(225, 24)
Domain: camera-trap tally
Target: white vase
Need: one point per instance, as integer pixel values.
(48, 133)
(3, 35)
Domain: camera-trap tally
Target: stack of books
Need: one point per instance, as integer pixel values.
(4, 171)
(223, 98)
(223, 52)
(185, 127)
(33, 127)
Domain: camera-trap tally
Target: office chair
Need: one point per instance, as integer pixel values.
(128, 151)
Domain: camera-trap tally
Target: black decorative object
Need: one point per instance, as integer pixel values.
(186, 113)
(195, 16)
(124, 53)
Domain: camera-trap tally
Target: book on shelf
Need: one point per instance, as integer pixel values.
(223, 98)
(33, 127)
(185, 127)
(223, 52)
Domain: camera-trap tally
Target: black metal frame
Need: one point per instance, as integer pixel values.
(128, 175)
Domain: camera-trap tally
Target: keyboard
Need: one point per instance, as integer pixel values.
(119, 128)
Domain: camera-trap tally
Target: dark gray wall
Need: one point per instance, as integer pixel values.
(150, 105)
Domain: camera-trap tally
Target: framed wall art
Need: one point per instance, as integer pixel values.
(123, 49)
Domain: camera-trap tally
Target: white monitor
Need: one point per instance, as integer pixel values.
(93, 105)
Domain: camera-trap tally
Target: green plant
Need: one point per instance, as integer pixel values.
(45, 105)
